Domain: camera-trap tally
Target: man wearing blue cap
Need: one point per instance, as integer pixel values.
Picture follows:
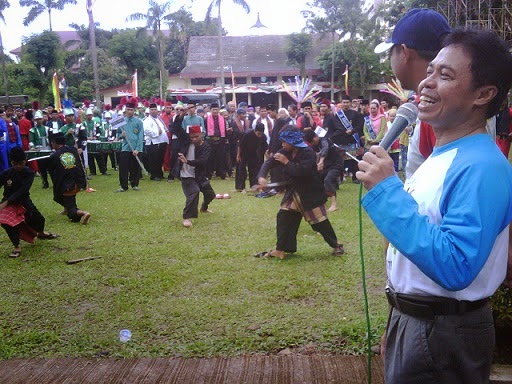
(415, 41)
(449, 241)
(304, 195)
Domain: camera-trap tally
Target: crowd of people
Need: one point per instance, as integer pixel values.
(448, 241)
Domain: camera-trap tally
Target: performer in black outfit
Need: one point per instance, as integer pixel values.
(68, 177)
(18, 215)
(304, 195)
(250, 156)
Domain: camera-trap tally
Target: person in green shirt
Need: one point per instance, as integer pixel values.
(38, 137)
(93, 133)
(132, 135)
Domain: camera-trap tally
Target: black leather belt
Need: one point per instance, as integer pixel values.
(429, 306)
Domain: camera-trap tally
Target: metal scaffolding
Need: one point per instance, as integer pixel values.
(489, 14)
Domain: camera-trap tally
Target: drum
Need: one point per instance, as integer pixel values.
(103, 146)
(93, 146)
(116, 146)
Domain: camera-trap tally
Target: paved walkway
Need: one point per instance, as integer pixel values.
(290, 369)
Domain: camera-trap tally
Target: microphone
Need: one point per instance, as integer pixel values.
(405, 116)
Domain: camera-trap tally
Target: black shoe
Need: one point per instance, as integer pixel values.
(105, 174)
(45, 185)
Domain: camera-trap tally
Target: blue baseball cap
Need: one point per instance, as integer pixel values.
(419, 29)
(293, 137)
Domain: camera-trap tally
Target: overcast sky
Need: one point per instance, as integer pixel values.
(280, 16)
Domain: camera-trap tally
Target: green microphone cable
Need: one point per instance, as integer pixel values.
(365, 293)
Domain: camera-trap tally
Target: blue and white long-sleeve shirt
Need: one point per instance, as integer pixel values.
(448, 225)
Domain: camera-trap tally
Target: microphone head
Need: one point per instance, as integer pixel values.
(408, 111)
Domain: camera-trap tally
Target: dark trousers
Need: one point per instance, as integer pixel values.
(331, 178)
(217, 161)
(101, 162)
(129, 169)
(114, 159)
(33, 219)
(69, 204)
(352, 167)
(175, 149)
(288, 223)
(251, 165)
(449, 349)
(191, 189)
(156, 154)
(42, 165)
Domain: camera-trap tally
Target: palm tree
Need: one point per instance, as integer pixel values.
(154, 17)
(39, 6)
(94, 54)
(4, 4)
(218, 3)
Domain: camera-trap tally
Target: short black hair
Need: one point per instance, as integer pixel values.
(17, 155)
(309, 135)
(491, 61)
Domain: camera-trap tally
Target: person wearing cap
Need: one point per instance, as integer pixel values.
(250, 157)
(69, 129)
(264, 118)
(54, 123)
(191, 170)
(365, 107)
(415, 41)
(155, 132)
(449, 239)
(94, 132)
(167, 116)
(24, 125)
(352, 122)
(19, 217)
(38, 138)
(68, 177)
(132, 136)
(215, 126)
(251, 116)
(111, 135)
(304, 195)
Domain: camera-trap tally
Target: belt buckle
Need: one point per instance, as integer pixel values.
(392, 298)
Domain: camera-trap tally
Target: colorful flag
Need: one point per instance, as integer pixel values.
(346, 79)
(56, 93)
(135, 91)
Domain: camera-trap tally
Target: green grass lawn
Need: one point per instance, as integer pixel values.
(186, 292)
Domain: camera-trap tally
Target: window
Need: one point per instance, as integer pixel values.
(203, 81)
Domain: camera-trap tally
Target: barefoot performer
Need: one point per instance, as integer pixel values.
(18, 215)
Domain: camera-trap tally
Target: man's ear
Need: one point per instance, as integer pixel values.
(485, 94)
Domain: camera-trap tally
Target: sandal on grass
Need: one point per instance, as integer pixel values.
(14, 254)
(47, 236)
(338, 251)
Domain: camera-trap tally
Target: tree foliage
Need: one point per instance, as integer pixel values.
(358, 34)
(43, 54)
(297, 48)
(39, 6)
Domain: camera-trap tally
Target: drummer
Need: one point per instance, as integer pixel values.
(38, 138)
(93, 130)
(110, 135)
